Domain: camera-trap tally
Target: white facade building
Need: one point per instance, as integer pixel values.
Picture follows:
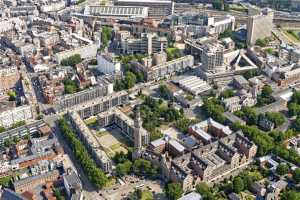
(9, 117)
(106, 65)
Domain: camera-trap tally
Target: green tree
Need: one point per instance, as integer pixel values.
(205, 191)
(130, 80)
(238, 185)
(296, 97)
(294, 109)
(70, 86)
(282, 169)
(72, 60)
(164, 92)
(276, 117)
(106, 35)
(217, 4)
(227, 93)
(124, 168)
(296, 175)
(251, 73)
(296, 124)
(290, 195)
(266, 91)
(12, 95)
(250, 115)
(2, 129)
(174, 191)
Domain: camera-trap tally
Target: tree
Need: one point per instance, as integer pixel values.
(205, 191)
(266, 91)
(72, 60)
(12, 95)
(262, 42)
(294, 109)
(238, 185)
(173, 53)
(164, 92)
(250, 115)
(2, 129)
(70, 86)
(296, 175)
(282, 169)
(106, 35)
(174, 191)
(296, 97)
(130, 80)
(217, 4)
(124, 168)
(296, 124)
(227, 93)
(276, 117)
(290, 195)
(251, 73)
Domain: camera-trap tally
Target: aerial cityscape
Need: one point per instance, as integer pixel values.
(150, 100)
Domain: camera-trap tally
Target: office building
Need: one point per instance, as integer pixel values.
(259, 26)
(148, 43)
(212, 57)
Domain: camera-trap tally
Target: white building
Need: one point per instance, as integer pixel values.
(9, 117)
(194, 85)
(107, 65)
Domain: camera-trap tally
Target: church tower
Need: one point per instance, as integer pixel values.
(137, 134)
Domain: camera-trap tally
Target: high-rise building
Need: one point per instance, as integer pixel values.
(260, 26)
(212, 57)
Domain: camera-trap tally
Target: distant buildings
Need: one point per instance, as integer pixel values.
(157, 8)
(260, 26)
(117, 11)
(16, 114)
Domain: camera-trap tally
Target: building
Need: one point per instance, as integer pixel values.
(101, 104)
(157, 8)
(207, 130)
(85, 51)
(212, 57)
(127, 125)
(106, 65)
(67, 101)
(117, 11)
(194, 85)
(91, 142)
(13, 115)
(148, 43)
(73, 185)
(164, 70)
(221, 159)
(260, 26)
(27, 184)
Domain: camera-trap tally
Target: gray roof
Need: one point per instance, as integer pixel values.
(191, 196)
(8, 194)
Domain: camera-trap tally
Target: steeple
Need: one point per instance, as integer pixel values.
(137, 134)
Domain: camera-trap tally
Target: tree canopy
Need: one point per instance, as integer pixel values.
(174, 191)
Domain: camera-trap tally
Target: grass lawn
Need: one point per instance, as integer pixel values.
(90, 121)
(293, 35)
(102, 133)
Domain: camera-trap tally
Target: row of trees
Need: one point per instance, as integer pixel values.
(94, 173)
(106, 36)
